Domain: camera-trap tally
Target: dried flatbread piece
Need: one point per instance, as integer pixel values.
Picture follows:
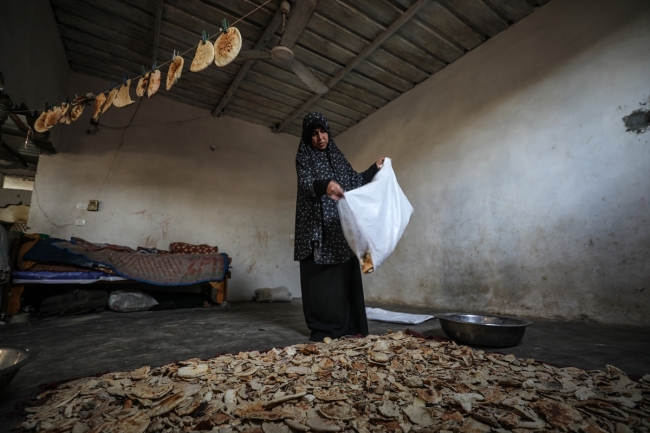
(140, 373)
(154, 83)
(203, 57)
(337, 411)
(142, 390)
(331, 394)
(99, 102)
(175, 70)
(39, 125)
(76, 111)
(271, 427)
(167, 404)
(227, 46)
(193, 370)
(316, 423)
(53, 117)
(367, 266)
(137, 423)
(419, 415)
(296, 425)
(109, 99)
(65, 116)
(123, 98)
(143, 82)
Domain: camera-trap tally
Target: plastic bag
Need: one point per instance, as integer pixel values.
(277, 294)
(374, 217)
(125, 302)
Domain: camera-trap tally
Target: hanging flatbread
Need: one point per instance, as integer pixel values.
(203, 57)
(123, 97)
(39, 125)
(79, 100)
(76, 111)
(227, 46)
(154, 83)
(99, 101)
(143, 82)
(53, 117)
(65, 114)
(175, 70)
(109, 99)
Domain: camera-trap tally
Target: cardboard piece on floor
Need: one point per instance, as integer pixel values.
(381, 315)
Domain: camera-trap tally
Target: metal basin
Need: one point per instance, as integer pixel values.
(11, 360)
(483, 330)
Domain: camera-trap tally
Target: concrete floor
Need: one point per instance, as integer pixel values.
(78, 346)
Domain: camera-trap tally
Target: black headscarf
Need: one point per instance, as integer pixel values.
(317, 220)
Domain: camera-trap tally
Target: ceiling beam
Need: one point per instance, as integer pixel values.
(156, 32)
(399, 22)
(17, 156)
(248, 64)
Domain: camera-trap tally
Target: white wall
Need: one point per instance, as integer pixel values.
(159, 182)
(530, 198)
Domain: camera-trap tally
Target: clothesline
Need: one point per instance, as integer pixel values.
(169, 61)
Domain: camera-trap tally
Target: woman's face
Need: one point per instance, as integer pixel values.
(319, 138)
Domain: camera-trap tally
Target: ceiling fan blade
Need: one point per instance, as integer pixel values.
(253, 55)
(300, 15)
(308, 77)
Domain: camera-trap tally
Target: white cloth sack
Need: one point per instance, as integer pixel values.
(375, 215)
(127, 301)
(276, 294)
(380, 315)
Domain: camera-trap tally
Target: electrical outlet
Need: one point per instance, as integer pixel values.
(82, 206)
(80, 222)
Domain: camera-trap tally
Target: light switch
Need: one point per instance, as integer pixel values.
(80, 222)
(82, 206)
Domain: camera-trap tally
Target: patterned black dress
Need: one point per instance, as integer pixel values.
(330, 278)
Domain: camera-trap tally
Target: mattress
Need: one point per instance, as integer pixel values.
(68, 277)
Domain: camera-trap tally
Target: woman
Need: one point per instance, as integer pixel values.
(330, 278)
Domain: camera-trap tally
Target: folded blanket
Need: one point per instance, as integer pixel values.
(39, 250)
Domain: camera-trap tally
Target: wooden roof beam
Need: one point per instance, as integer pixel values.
(399, 22)
(248, 64)
(156, 32)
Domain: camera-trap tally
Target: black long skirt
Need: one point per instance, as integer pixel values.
(332, 299)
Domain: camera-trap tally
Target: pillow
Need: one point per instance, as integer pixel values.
(184, 248)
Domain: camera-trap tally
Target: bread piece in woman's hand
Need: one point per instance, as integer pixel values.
(366, 263)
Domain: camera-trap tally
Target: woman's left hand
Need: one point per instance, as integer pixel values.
(380, 162)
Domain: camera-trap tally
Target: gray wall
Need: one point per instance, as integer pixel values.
(530, 197)
(14, 196)
(159, 182)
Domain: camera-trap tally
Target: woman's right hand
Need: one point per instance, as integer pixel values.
(334, 191)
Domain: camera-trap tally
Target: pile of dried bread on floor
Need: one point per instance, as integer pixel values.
(390, 383)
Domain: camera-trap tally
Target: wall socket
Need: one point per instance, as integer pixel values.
(80, 222)
(82, 206)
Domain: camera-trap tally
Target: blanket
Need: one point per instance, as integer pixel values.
(158, 269)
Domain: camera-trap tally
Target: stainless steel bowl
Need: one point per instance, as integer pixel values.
(483, 330)
(11, 360)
